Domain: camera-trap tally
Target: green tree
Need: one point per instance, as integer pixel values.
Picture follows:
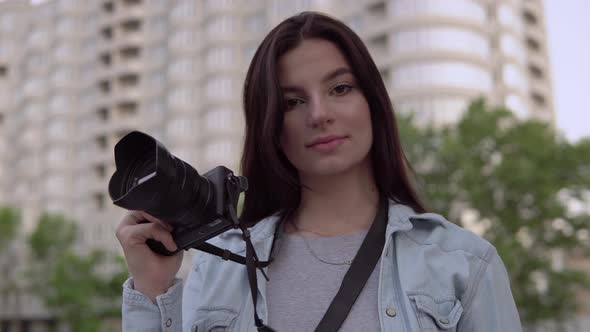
(516, 178)
(10, 220)
(82, 290)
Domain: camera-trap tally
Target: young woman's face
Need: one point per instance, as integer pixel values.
(327, 123)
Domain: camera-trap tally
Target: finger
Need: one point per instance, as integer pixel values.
(146, 216)
(140, 217)
(142, 232)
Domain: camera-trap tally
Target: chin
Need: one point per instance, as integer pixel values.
(332, 167)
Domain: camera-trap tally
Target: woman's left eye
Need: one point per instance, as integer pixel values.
(341, 89)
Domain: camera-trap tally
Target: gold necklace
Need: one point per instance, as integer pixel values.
(346, 262)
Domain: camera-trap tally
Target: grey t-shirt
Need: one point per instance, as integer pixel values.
(301, 287)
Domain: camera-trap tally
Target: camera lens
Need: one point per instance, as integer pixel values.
(139, 171)
(151, 179)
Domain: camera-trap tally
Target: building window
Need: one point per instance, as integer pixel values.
(220, 119)
(180, 126)
(465, 9)
(155, 82)
(538, 99)
(57, 129)
(128, 108)
(108, 7)
(529, 17)
(514, 77)
(55, 184)
(157, 27)
(105, 59)
(377, 9)
(156, 54)
(219, 87)
(184, 39)
(131, 25)
(507, 17)
(184, 9)
(183, 97)
(99, 200)
(220, 4)
(100, 171)
(440, 38)
(57, 156)
(220, 152)
(517, 106)
(3, 71)
(156, 108)
(447, 73)
(129, 80)
(103, 114)
(221, 25)
(67, 26)
(378, 42)
(107, 33)
(220, 56)
(130, 52)
(535, 71)
(131, 3)
(255, 23)
(435, 110)
(105, 86)
(63, 75)
(512, 47)
(533, 44)
(102, 142)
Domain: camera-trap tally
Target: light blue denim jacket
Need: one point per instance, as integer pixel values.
(434, 276)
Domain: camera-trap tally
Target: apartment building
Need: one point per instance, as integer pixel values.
(77, 75)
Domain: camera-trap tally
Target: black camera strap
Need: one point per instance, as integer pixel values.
(352, 284)
(358, 273)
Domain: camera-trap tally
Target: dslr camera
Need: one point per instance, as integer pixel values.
(149, 178)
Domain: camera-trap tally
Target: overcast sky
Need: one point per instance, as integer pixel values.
(568, 28)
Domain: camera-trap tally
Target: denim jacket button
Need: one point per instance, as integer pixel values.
(390, 312)
(168, 322)
(444, 320)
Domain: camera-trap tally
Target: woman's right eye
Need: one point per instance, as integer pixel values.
(292, 103)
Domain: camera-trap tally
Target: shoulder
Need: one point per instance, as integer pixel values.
(430, 229)
(434, 232)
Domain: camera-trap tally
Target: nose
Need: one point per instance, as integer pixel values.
(318, 114)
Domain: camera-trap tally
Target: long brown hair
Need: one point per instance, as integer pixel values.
(273, 181)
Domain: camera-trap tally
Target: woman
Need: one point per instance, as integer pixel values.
(321, 151)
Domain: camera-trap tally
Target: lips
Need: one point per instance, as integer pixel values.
(325, 140)
(327, 144)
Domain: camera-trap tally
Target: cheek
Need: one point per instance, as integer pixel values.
(288, 137)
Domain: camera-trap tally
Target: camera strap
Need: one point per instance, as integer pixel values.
(358, 273)
(352, 284)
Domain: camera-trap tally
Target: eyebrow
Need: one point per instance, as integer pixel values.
(330, 76)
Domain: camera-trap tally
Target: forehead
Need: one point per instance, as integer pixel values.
(310, 60)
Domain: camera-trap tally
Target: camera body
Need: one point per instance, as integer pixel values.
(223, 185)
(149, 178)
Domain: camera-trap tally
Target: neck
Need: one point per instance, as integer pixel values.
(338, 204)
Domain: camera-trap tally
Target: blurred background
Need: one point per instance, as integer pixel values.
(490, 96)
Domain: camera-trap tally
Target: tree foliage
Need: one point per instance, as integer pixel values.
(515, 181)
(10, 220)
(83, 290)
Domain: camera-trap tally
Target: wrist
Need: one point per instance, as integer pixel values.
(148, 290)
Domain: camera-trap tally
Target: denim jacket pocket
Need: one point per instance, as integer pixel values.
(214, 320)
(436, 313)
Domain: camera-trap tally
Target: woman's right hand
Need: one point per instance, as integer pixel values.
(152, 273)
